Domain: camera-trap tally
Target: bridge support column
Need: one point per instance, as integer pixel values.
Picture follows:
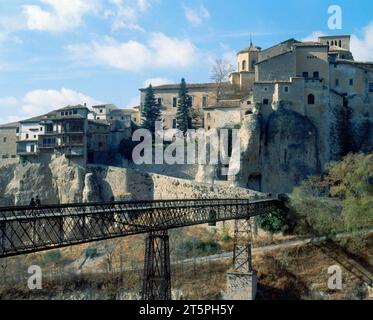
(157, 267)
(242, 280)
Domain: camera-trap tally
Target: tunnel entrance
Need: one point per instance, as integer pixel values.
(255, 181)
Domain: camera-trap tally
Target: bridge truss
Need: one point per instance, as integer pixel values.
(26, 230)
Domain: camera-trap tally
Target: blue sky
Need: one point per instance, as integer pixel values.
(59, 52)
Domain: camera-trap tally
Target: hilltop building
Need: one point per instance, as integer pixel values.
(86, 135)
(9, 134)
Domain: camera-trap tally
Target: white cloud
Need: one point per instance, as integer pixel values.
(362, 48)
(160, 51)
(156, 82)
(126, 13)
(313, 36)
(196, 16)
(38, 102)
(60, 15)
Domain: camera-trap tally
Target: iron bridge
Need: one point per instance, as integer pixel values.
(26, 230)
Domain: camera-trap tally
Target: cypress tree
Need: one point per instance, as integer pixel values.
(184, 105)
(151, 110)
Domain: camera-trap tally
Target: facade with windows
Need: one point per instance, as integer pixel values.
(202, 94)
(9, 134)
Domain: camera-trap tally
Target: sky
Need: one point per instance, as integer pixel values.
(55, 53)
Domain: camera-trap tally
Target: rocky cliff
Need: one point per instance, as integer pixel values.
(62, 181)
(282, 149)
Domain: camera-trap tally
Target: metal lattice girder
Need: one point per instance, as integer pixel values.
(242, 262)
(25, 230)
(157, 267)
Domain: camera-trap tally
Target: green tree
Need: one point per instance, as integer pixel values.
(272, 222)
(151, 110)
(345, 203)
(183, 114)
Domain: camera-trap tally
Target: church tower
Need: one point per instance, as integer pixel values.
(247, 58)
(244, 77)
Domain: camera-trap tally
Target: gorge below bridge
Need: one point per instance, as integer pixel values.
(26, 230)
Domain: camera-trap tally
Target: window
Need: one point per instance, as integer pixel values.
(337, 82)
(265, 89)
(340, 43)
(101, 111)
(351, 82)
(41, 128)
(248, 102)
(265, 101)
(316, 74)
(244, 65)
(75, 112)
(34, 136)
(159, 100)
(286, 89)
(311, 99)
(27, 135)
(204, 101)
(305, 75)
(253, 62)
(174, 102)
(371, 87)
(174, 123)
(4, 139)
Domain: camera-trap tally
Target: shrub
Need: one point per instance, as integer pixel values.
(194, 247)
(54, 256)
(273, 222)
(90, 253)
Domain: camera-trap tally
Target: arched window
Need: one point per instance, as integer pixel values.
(311, 99)
(253, 62)
(244, 65)
(340, 43)
(327, 42)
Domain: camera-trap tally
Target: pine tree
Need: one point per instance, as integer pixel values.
(151, 111)
(184, 105)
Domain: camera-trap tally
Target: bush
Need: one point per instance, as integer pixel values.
(90, 253)
(195, 247)
(273, 222)
(345, 203)
(54, 256)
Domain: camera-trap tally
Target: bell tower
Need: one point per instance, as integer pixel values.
(247, 58)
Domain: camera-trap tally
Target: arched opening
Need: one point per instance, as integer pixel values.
(255, 182)
(253, 62)
(311, 99)
(244, 65)
(340, 43)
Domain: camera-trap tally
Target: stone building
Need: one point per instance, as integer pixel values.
(311, 103)
(75, 132)
(203, 95)
(8, 140)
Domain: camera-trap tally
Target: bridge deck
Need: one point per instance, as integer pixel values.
(25, 230)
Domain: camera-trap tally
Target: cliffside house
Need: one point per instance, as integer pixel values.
(8, 140)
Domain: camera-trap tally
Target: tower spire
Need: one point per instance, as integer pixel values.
(251, 41)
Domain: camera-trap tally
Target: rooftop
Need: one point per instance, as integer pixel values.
(189, 86)
(9, 125)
